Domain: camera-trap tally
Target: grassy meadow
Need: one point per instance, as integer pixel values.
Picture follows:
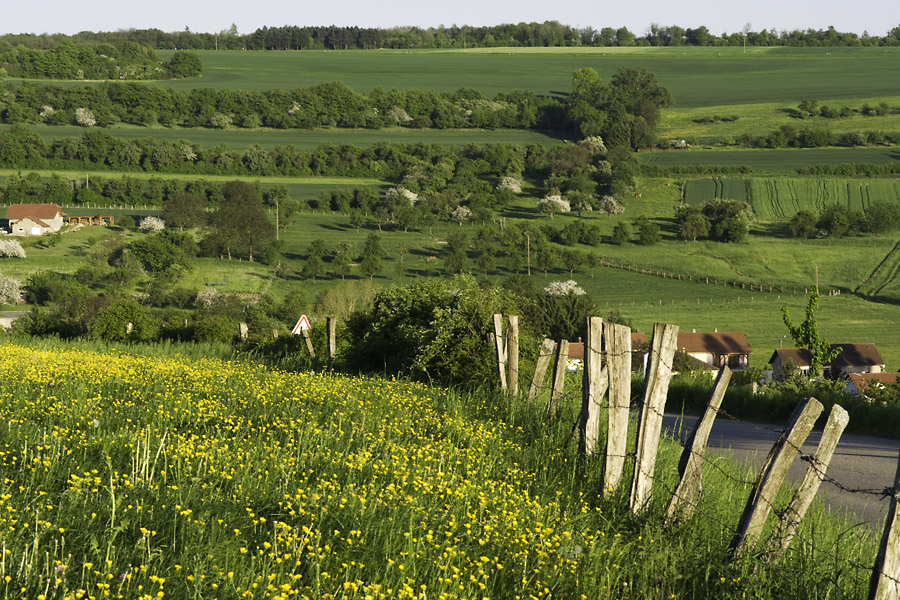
(131, 476)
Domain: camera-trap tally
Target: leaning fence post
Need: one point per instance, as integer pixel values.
(803, 497)
(618, 361)
(686, 495)
(331, 329)
(540, 368)
(772, 475)
(593, 386)
(664, 341)
(885, 581)
(512, 355)
(501, 351)
(559, 375)
(309, 346)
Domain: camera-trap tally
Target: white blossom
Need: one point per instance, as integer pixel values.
(610, 205)
(513, 184)
(594, 143)
(47, 111)
(402, 192)
(10, 290)
(207, 298)
(84, 117)
(564, 288)
(461, 213)
(152, 224)
(11, 249)
(554, 204)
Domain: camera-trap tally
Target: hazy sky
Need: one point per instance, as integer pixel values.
(720, 16)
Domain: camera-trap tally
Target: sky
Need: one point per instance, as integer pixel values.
(720, 16)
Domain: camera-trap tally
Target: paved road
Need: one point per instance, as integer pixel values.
(858, 462)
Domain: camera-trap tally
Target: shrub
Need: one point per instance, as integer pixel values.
(148, 224)
(216, 328)
(11, 249)
(435, 330)
(10, 290)
(85, 117)
(123, 321)
(126, 222)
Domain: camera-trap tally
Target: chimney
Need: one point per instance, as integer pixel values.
(715, 330)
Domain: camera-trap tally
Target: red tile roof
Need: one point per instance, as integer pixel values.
(852, 355)
(714, 342)
(862, 381)
(15, 212)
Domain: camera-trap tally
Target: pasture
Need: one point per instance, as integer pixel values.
(779, 160)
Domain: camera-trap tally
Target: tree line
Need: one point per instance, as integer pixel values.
(624, 112)
(533, 34)
(116, 61)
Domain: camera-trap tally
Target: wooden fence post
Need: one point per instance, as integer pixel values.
(540, 368)
(512, 355)
(331, 329)
(593, 386)
(803, 497)
(501, 351)
(782, 454)
(656, 387)
(559, 375)
(884, 584)
(618, 361)
(686, 495)
(309, 345)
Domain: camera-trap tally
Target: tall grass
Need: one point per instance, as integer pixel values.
(147, 477)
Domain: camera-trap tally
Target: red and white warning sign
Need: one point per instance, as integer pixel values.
(302, 325)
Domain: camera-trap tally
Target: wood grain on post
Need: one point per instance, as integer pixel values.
(782, 454)
(309, 345)
(593, 386)
(559, 375)
(501, 350)
(618, 361)
(689, 489)
(512, 355)
(803, 497)
(540, 368)
(331, 328)
(656, 387)
(885, 582)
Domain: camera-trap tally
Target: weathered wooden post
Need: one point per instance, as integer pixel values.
(618, 361)
(243, 331)
(540, 368)
(665, 339)
(512, 355)
(559, 375)
(803, 497)
(885, 581)
(309, 346)
(782, 454)
(501, 350)
(593, 386)
(331, 329)
(689, 467)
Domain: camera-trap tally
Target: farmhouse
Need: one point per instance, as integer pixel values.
(34, 219)
(853, 358)
(861, 383)
(717, 348)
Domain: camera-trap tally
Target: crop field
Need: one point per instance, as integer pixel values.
(779, 198)
(699, 124)
(241, 139)
(144, 477)
(777, 160)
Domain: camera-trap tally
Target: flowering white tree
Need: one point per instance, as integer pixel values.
(460, 214)
(11, 249)
(84, 117)
(47, 111)
(10, 290)
(609, 205)
(594, 144)
(553, 204)
(207, 298)
(513, 184)
(401, 192)
(149, 224)
(564, 288)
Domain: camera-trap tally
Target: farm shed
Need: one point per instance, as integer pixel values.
(717, 348)
(853, 358)
(34, 219)
(860, 383)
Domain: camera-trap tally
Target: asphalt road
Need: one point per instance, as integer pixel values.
(859, 462)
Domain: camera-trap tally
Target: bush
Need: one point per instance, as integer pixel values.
(125, 320)
(437, 330)
(149, 224)
(10, 290)
(11, 249)
(126, 222)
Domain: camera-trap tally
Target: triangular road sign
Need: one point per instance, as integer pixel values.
(302, 325)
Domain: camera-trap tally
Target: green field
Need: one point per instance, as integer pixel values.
(778, 199)
(241, 139)
(774, 160)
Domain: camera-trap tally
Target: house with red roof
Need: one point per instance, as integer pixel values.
(853, 358)
(717, 348)
(862, 383)
(34, 219)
